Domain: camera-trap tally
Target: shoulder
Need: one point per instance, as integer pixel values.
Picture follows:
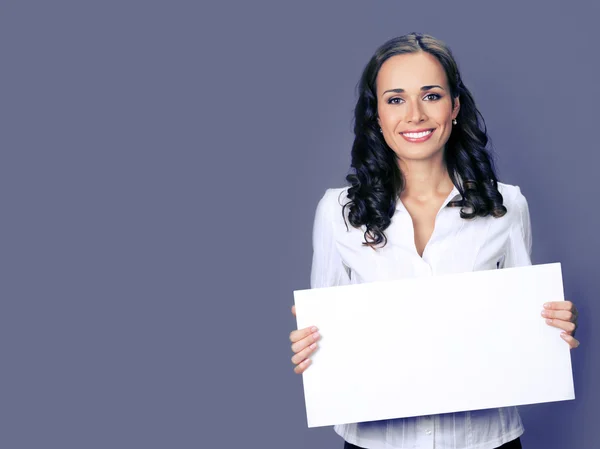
(334, 198)
(516, 205)
(331, 205)
(512, 196)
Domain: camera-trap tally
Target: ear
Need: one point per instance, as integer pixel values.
(456, 107)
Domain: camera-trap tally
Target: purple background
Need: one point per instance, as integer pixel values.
(161, 165)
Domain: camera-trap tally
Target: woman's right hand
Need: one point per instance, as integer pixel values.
(304, 343)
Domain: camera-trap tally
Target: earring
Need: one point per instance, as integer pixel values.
(454, 121)
(380, 131)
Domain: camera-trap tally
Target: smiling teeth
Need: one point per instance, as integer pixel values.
(417, 135)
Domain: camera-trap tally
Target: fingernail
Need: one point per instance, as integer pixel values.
(306, 362)
(315, 335)
(314, 329)
(544, 313)
(547, 305)
(313, 346)
(549, 321)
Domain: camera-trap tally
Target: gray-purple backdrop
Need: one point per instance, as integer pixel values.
(161, 165)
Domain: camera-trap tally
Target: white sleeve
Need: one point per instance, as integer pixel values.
(327, 268)
(518, 251)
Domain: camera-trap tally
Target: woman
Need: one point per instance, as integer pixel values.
(423, 200)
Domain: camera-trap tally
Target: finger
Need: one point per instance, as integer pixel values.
(303, 355)
(567, 326)
(559, 305)
(306, 341)
(572, 341)
(294, 310)
(564, 315)
(299, 334)
(299, 369)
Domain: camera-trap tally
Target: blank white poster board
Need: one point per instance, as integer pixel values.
(439, 344)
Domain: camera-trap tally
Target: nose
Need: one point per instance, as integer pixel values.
(414, 113)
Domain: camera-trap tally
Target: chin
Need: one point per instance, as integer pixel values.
(419, 154)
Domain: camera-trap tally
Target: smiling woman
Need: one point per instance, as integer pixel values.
(422, 175)
(399, 107)
(412, 85)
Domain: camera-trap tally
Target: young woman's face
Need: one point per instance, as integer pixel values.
(413, 95)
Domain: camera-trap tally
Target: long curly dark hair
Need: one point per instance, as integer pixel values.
(376, 180)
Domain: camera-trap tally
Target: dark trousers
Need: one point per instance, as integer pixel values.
(514, 444)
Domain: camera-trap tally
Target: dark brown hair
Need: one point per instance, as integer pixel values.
(376, 179)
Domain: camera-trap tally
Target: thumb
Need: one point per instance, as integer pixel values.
(294, 310)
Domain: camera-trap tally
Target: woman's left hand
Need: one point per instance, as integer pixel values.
(563, 314)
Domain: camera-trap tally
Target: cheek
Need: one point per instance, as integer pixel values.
(391, 119)
(441, 110)
(444, 114)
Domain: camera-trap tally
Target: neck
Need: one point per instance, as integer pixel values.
(425, 179)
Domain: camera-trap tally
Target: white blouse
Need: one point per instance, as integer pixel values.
(456, 245)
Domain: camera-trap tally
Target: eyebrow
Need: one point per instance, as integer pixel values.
(399, 91)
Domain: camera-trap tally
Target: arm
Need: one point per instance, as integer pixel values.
(327, 269)
(518, 252)
(560, 314)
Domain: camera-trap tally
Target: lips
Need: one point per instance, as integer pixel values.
(417, 136)
(418, 130)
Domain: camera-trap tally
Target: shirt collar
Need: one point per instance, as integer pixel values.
(454, 195)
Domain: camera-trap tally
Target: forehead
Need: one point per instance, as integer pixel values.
(410, 71)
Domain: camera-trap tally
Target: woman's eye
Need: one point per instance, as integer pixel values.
(435, 97)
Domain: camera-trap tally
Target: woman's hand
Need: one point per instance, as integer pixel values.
(304, 342)
(563, 314)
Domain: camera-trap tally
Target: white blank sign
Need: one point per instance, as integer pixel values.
(440, 344)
